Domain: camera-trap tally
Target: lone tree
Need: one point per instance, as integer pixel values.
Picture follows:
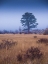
(28, 20)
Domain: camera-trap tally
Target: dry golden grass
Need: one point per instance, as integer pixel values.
(24, 41)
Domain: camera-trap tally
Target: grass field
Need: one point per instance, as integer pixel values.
(23, 42)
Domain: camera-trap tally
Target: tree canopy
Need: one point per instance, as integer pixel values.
(28, 20)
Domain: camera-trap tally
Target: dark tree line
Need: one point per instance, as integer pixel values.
(9, 32)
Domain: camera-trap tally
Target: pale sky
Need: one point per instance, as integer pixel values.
(11, 13)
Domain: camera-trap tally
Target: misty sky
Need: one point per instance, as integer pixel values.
(11, 12)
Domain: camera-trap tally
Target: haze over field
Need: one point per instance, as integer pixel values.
(11, 12)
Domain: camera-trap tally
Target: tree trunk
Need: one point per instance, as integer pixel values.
(28, 28)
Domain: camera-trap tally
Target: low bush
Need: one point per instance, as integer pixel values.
(6, 44)
(43, 40)
(35, 36)
(31, 53)
(19, 57)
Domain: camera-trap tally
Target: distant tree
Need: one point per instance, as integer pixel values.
(20, 30)
(12, 32)
(46, 31)
(28, 20)
(5, 31)
(16, 32)
(0, 32)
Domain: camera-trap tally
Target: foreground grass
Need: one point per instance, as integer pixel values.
(24, 42)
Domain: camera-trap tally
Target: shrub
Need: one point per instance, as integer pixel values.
(45, 32)
(35, 36)
(31, 53)
(43, 40)
(19, 57)
(7, 44)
